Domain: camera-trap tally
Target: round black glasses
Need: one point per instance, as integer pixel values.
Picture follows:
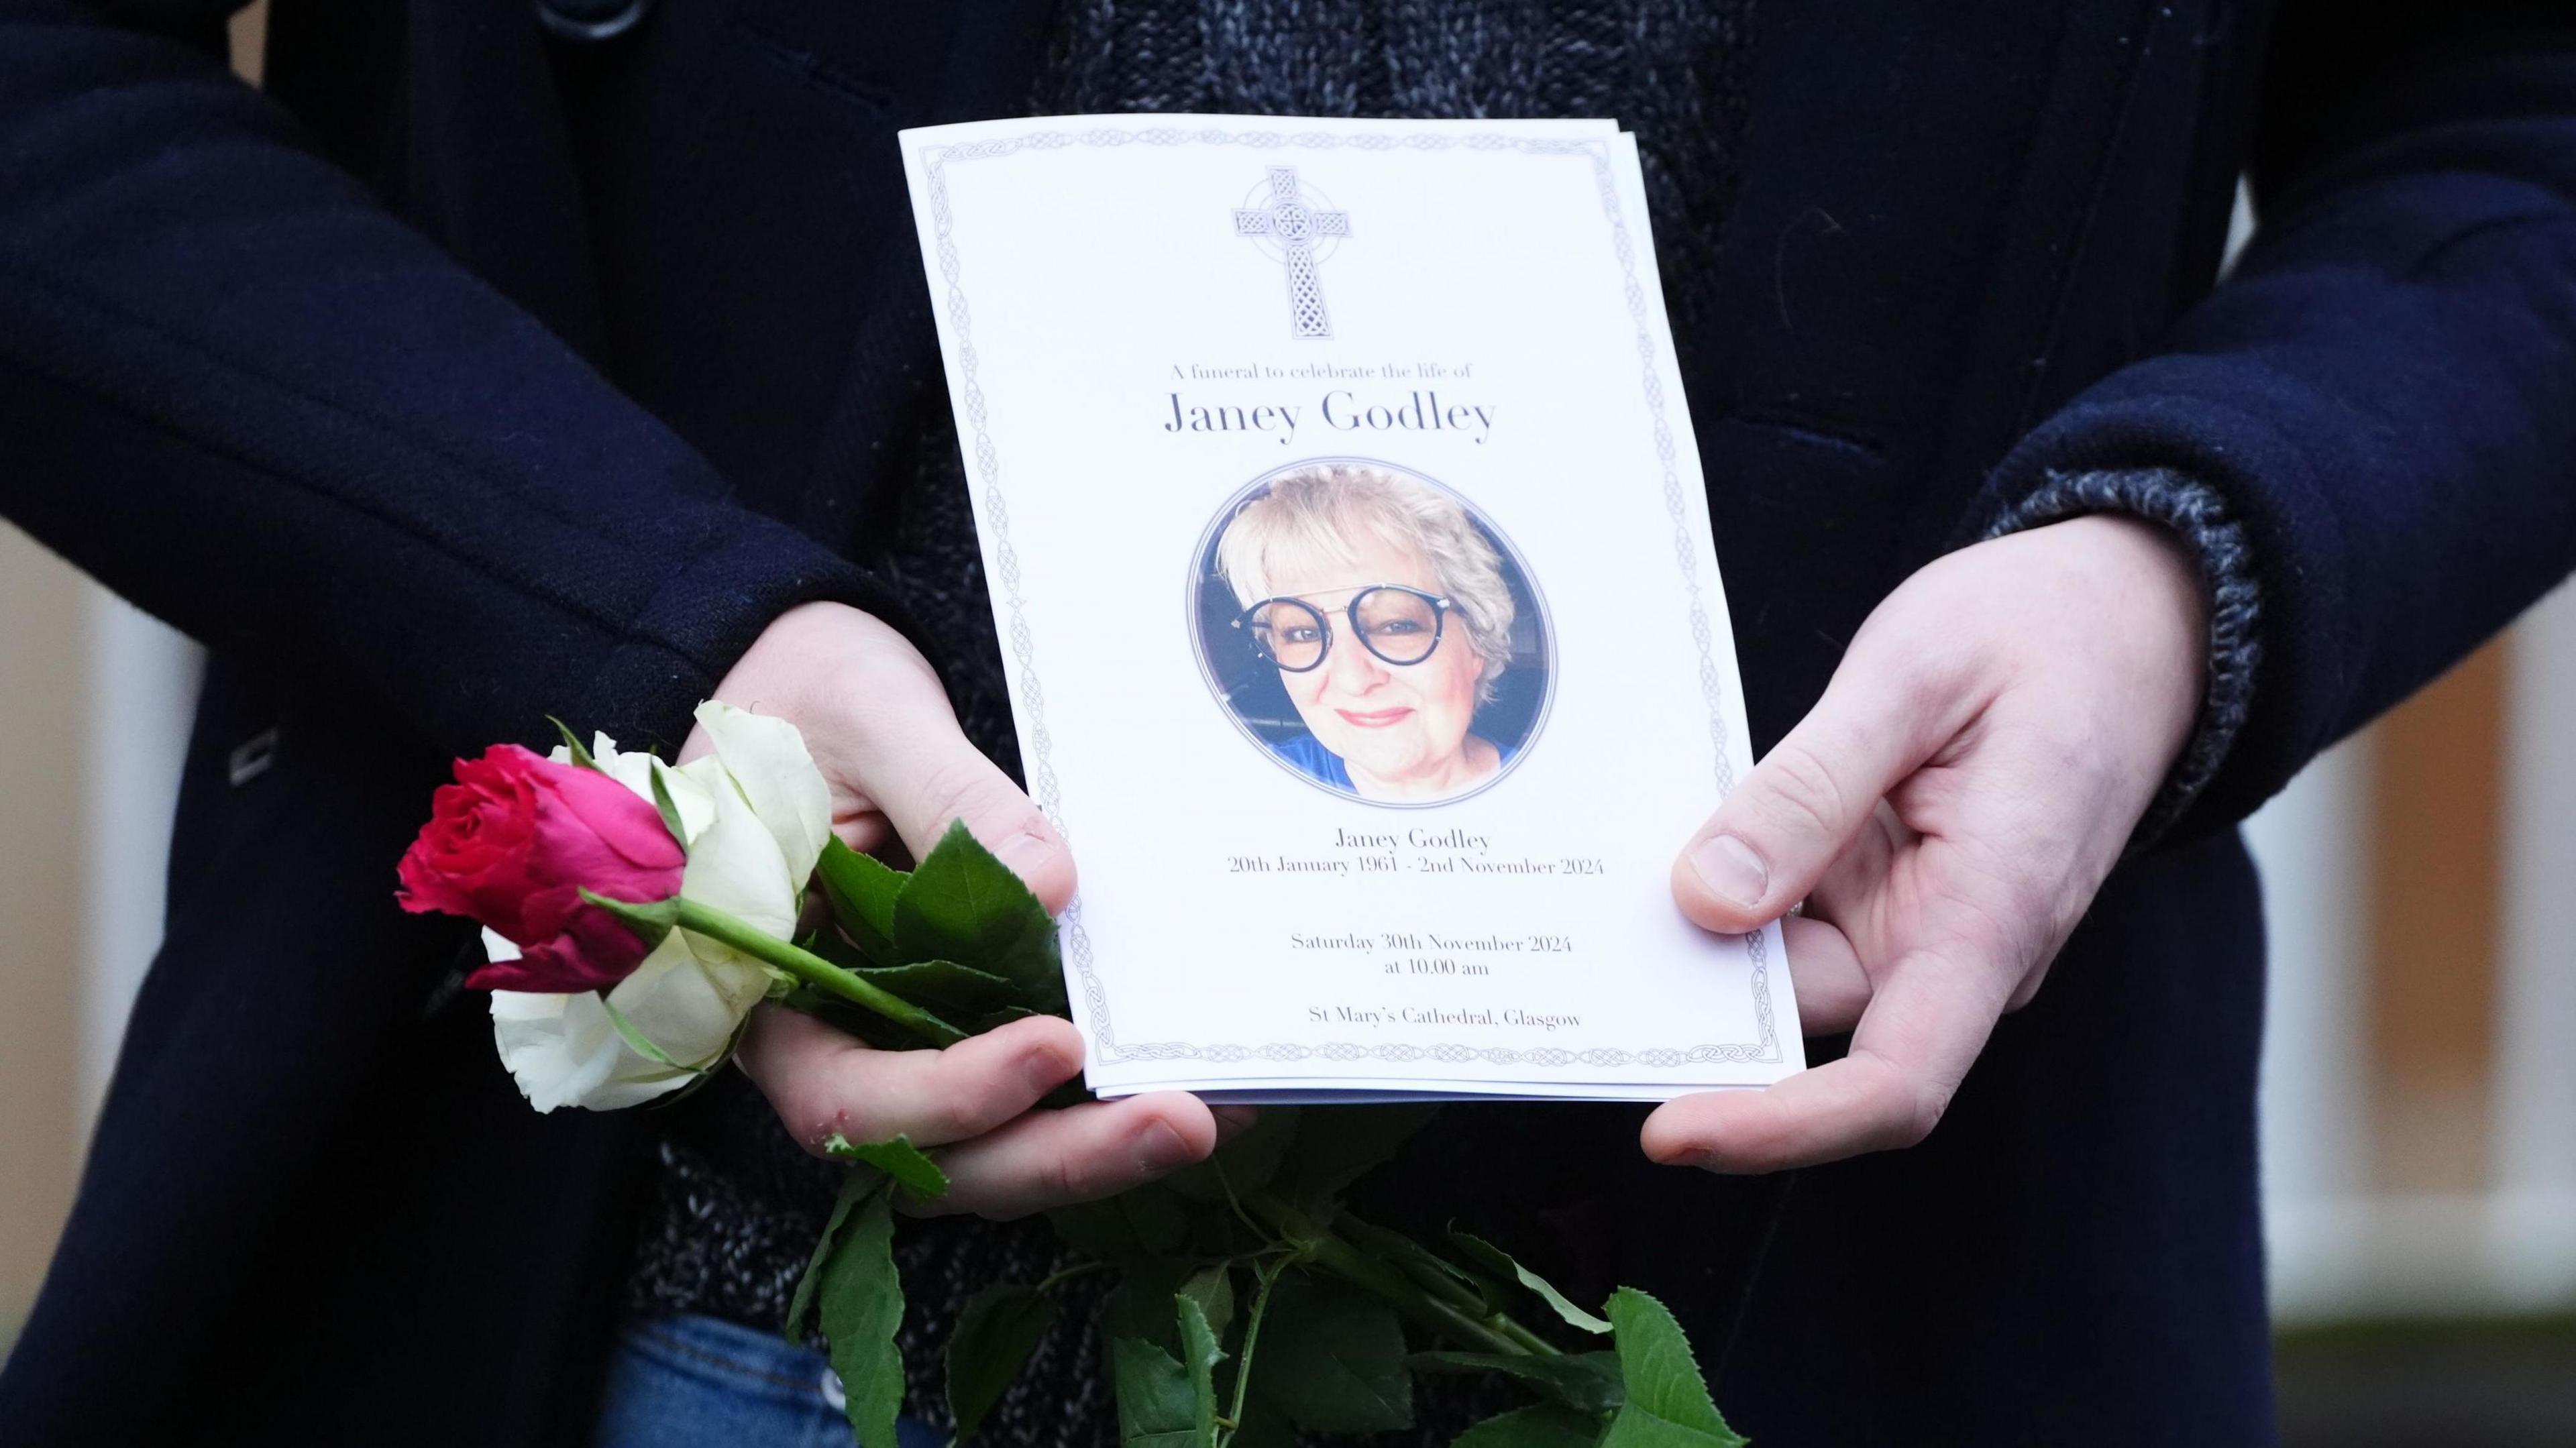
(1398, 624)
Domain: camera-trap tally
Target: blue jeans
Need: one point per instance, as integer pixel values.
(701, 1382)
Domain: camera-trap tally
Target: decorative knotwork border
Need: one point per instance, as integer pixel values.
(1043, 784)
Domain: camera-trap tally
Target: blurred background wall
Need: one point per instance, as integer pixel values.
(2419, 1080)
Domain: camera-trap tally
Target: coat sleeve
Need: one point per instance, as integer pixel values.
(2384, 392)
(239, 392)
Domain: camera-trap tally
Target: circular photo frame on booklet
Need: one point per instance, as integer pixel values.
(1372, 632)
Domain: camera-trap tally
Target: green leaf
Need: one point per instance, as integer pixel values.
(1586, 1382)
(862, 1305)
(1336, 1145)
(962, 904)
(572, 744)
(1443, 1278)
(1496, 1259)
(1333, 1360)
(862, 890)
(996, 1331)
(1140, 1305)
(943, 985)
(1158, 1405)
(1668, 1405)
(1134, 1226)
(1212, 1288)
(897, 1158)
(1199, 1354)
(855, 1187)
(662, 801)
(1634, 1429)
(1541, 1425)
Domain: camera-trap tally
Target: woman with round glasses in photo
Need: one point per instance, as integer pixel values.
(1388, 617)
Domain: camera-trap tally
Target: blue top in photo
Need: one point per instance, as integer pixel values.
(1316, 762)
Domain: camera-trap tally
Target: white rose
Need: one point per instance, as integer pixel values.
(756, 814)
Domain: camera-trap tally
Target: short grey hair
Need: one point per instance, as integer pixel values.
(1314, 513)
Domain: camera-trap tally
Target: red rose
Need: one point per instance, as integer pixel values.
(513, 843)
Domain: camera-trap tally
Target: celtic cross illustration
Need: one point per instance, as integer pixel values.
(1295, 226)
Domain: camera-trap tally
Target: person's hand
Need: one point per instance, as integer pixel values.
(1947, 811)
(880, 728)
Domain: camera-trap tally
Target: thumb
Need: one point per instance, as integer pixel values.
(879, 727)
(1776, 833)
(908, 755)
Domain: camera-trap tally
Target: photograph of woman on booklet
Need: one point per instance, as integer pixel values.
(1391, 620)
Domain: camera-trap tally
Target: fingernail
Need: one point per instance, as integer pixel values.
(1044, 1071)
(1730, 869)
(1023, 852)
(1159, 1148)
(1232, 1121)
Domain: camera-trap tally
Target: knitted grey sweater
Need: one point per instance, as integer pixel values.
(736, 1206)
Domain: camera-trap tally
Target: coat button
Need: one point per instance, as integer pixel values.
(591, 19)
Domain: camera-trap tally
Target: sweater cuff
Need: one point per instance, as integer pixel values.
(2197, 515)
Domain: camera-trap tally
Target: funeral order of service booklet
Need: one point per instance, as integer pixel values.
(1347, 541)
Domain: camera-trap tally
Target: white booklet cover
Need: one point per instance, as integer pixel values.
(1347, 541)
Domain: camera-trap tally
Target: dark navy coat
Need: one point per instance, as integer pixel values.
(478, 374)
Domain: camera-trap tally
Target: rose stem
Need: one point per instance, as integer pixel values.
(812, 969)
